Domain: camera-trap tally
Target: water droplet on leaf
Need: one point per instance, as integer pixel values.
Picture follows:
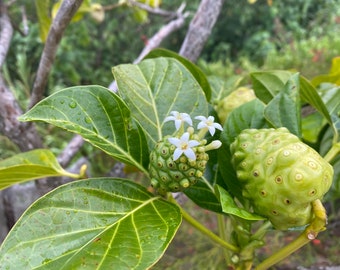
(72, 104)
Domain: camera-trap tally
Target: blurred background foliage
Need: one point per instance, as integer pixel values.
(302, 35)
(291, 34)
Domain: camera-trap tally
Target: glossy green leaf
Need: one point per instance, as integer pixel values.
(267, 84)
(311, 127)
(311, 96)
(221, 88)
(30, 165)
(195, 70)
(248, 115)
(100, 117)
(154, 88)
(284, 109)
(103, 223)
(203, 195)
(230, 207)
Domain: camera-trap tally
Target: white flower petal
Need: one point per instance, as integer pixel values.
(202, 125)
(211, 119)
(193, 143)
(169, 118)
(200, 117)
(190, 154)
(218, 126)
(211, 130)
(175, 141)
(179, 119)
(177, 153)
(185, 137)
(186, 118)
(178, 123)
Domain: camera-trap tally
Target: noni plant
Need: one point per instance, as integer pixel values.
(260, 170)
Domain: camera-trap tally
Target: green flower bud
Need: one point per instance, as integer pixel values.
(280, 175)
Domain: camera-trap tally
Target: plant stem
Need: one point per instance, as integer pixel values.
(310, 233)
(203, 229)
(222, 233)
(332, 152)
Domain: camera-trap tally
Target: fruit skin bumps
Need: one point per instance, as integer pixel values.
(168, 175)
(280, 175)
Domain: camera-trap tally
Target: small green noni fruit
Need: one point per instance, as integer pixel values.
(168, 175)
(235, 99)
(280, 175)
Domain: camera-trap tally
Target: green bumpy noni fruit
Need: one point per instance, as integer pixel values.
(168, 175)
(280, 175)
(235, 99)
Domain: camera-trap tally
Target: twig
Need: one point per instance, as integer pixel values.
(65, 13)
(165, 31)
(155, 11)
(70, 150)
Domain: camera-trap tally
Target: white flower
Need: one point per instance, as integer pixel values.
(184, 145)
(209, 124)
(179, 118)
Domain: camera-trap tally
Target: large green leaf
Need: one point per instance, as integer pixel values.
(30, 165)
(194, 69)
(221, 88)
(154, 88)
(267, 84)
(100, 117)
(102, 223)
(248, 115)
(284, 110)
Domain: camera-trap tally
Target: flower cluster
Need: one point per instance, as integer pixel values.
(179, 161)
(186, 141)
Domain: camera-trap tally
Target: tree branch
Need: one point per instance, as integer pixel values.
(6, 32)
(22, 134)
(70, 150)
(200, 28)
(65, 13)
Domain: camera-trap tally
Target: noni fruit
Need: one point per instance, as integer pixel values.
(169, 175)
(238, 97)
(280, 175)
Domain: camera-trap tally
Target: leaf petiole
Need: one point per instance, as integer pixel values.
(203, 229)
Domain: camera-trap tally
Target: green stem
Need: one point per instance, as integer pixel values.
(310, 233)
(332, 152)
(203, 229)
(223, 234)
